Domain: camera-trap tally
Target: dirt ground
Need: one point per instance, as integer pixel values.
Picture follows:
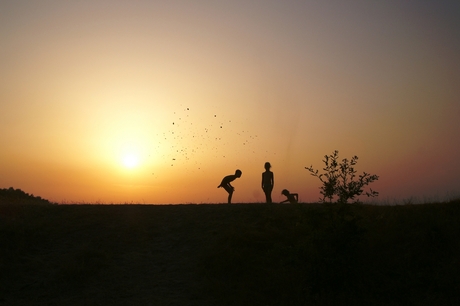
(114, 255)
(239, 254)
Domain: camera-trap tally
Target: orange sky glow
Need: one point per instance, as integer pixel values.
(154, 102)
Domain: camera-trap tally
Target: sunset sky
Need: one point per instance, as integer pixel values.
(156, 101)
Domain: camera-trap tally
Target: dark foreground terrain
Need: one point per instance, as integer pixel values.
(244, 254)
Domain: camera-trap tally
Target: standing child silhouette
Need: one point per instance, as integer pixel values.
(227, 186)
(268, 182)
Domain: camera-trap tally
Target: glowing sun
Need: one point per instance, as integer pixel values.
(130, 161)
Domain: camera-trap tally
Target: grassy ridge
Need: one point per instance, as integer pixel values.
(247, 254)
(341, 255)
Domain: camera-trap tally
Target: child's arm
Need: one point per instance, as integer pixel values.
(296, 196)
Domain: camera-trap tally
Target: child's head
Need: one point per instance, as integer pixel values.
(267, 166)
(285, 192)
(238, 173)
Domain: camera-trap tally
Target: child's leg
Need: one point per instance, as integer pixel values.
(230, 193)
(268, 195)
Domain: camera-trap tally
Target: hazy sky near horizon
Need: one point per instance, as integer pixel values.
(156, 101)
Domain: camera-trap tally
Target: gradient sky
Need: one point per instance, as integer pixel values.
(193, 90)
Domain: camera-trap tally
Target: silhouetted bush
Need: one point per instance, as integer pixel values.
(340, 179)
(11, 195)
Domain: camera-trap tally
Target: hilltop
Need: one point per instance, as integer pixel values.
(243, 254)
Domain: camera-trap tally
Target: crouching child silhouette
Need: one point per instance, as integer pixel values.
(227, 186)
(290, 197)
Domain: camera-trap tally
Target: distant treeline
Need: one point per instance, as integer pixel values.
(17, 195)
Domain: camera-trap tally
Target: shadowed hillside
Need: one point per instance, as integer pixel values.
(244, 254)
(11, 195)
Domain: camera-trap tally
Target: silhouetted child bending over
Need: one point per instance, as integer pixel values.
(268, 182)
(227, 186)
(291, 197)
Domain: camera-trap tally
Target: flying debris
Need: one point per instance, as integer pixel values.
(193, 137)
